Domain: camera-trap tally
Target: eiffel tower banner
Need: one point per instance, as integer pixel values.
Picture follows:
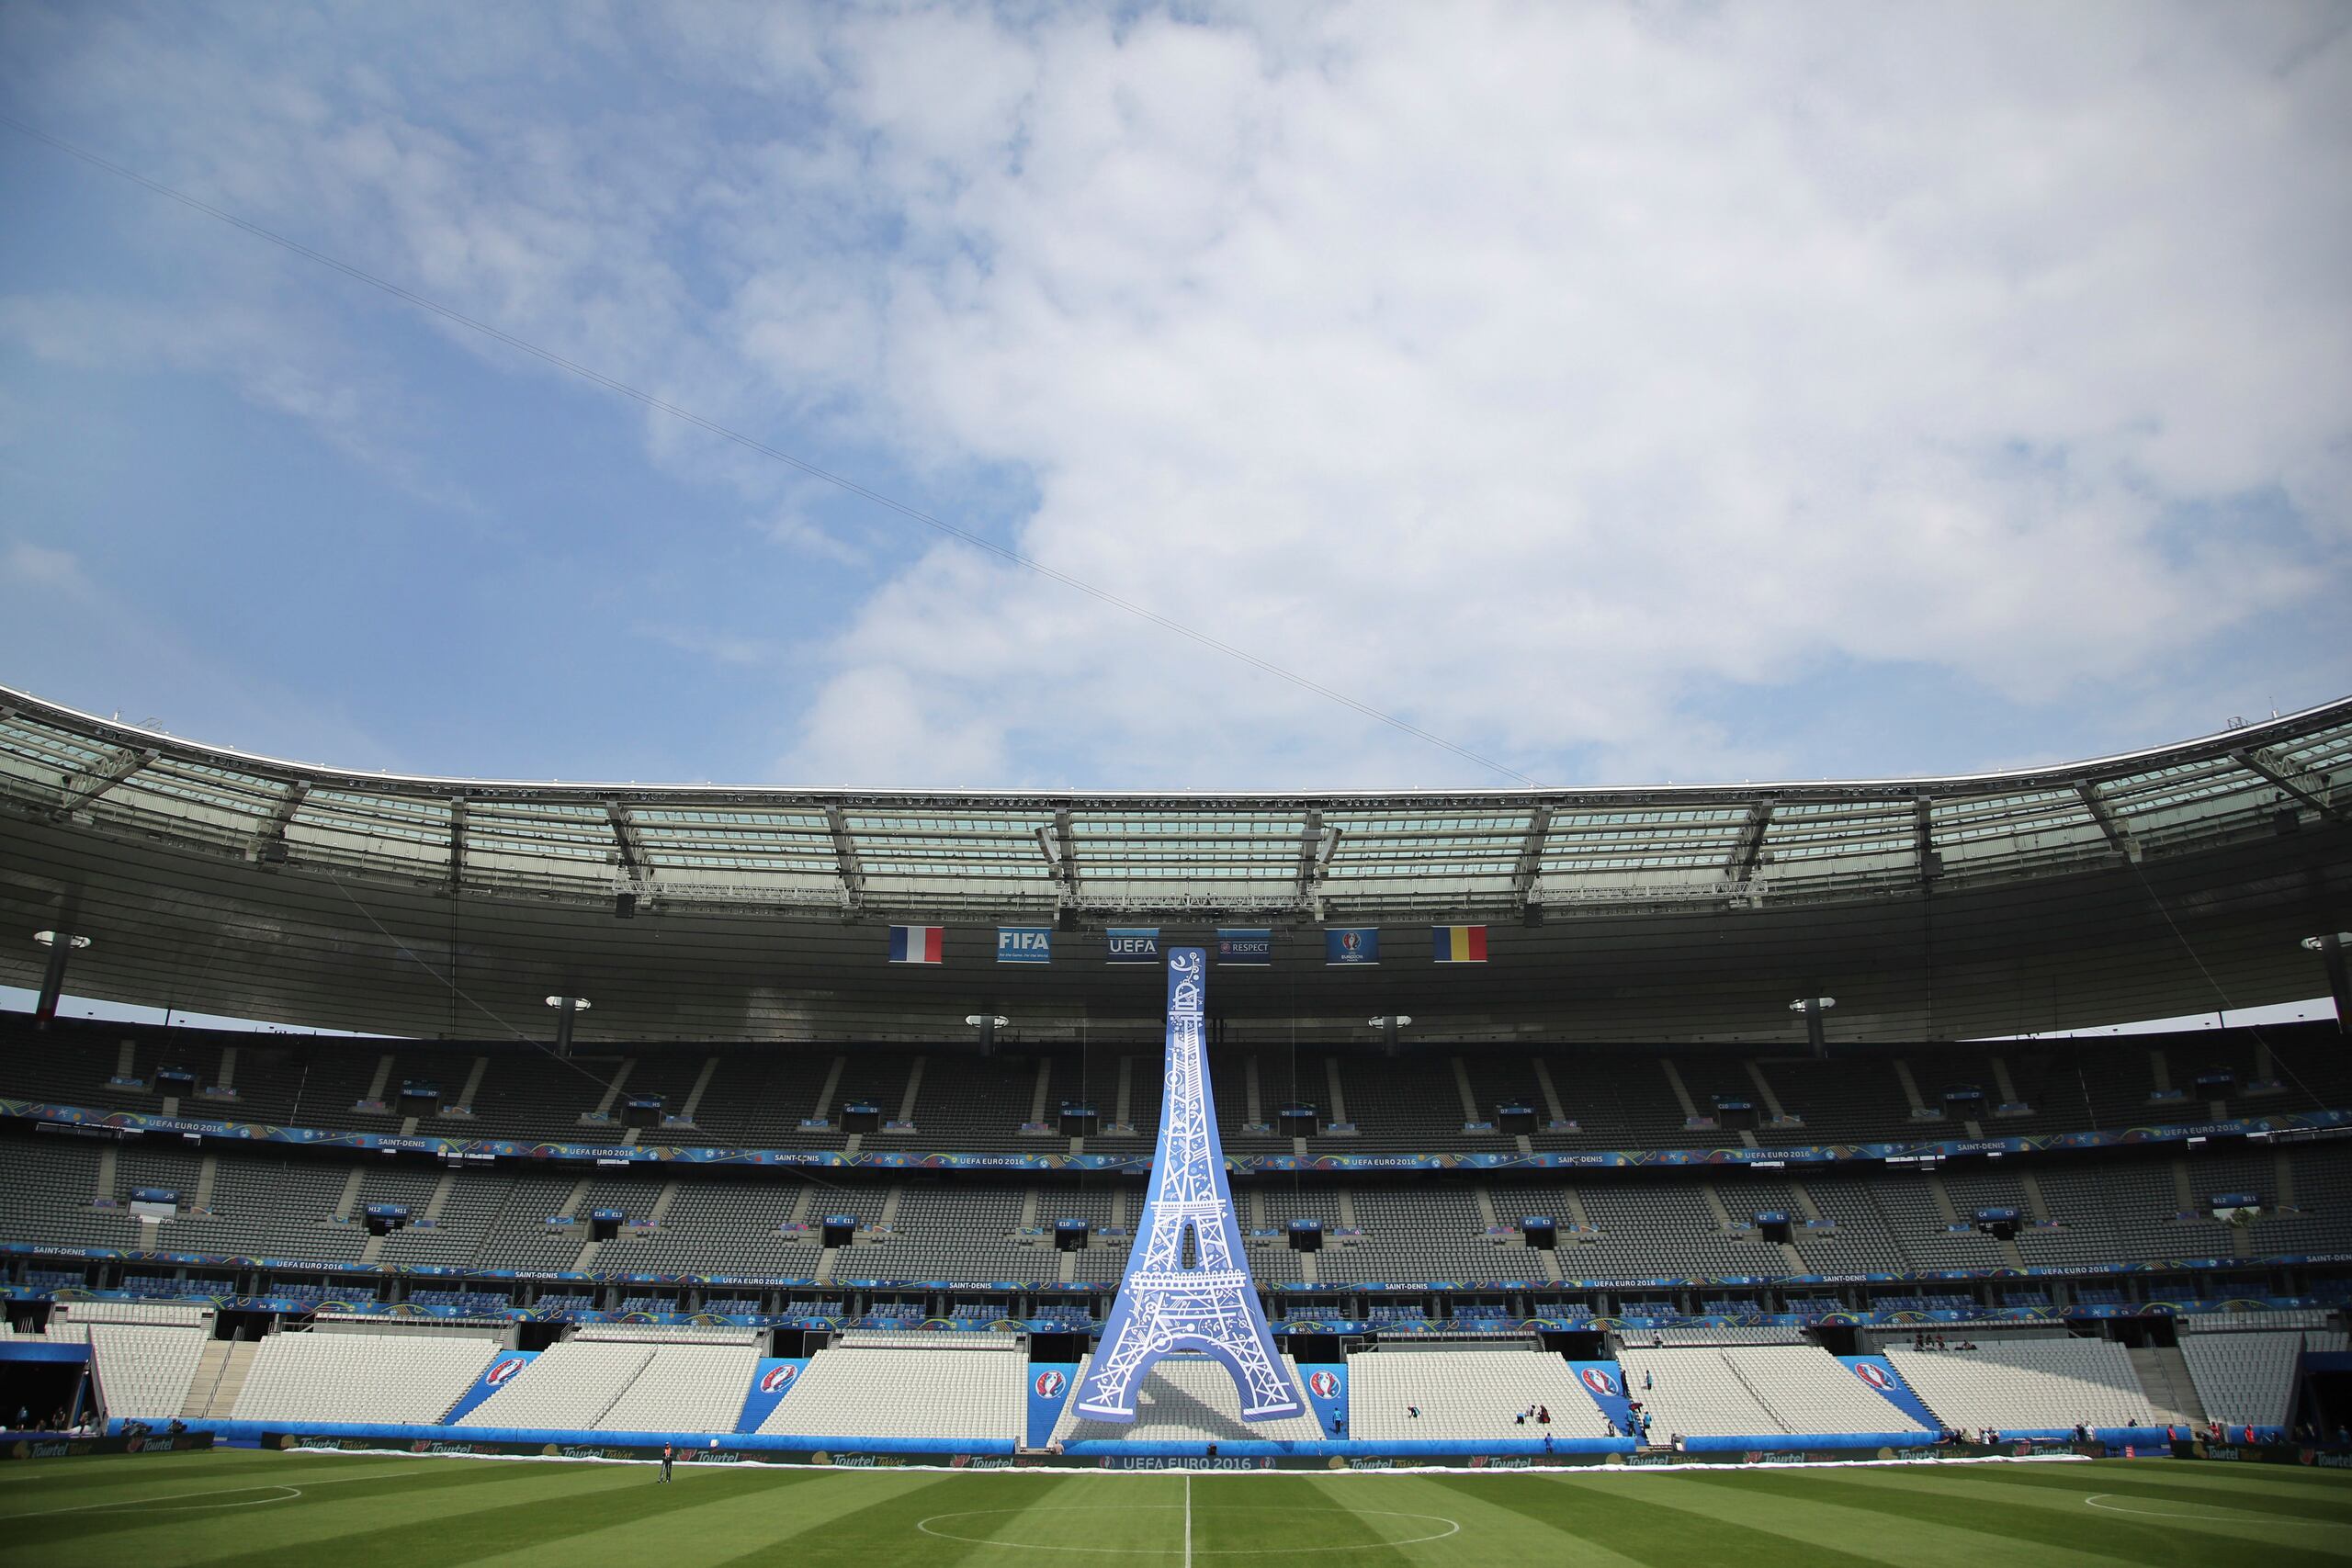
(1187, 1286)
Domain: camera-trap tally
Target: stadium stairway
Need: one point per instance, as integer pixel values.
(2172, 1393)
(221, 1374)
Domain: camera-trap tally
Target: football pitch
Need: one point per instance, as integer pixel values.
(271, 1510)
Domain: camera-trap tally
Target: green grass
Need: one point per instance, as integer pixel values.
(268, 1510)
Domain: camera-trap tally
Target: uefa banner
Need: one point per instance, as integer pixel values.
(1131, 944)
(1025, 944)
(1245, 947)
(1351, 944)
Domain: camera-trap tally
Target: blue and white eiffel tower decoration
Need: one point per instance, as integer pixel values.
(1163, 1304)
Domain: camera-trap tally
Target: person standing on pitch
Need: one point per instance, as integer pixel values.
(669, 1451)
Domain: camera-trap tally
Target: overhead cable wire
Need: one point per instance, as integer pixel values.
(749, 443)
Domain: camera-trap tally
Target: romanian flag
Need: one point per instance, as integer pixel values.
(921, 945)
(1459, 945)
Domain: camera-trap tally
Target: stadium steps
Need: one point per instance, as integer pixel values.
(2036, 1206)
(349, 1199)
(1550, 1090)
(1764, 1092)
(2172, 1393)
(219, 1384)
(205, 1174)
(1910, 1089)
(106, 1163)
(440, 1199)
(374, 1251)
(1682, 1091)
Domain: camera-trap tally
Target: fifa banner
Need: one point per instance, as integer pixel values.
(1133, 944)
(771, 1380)
(1025, 944)
(1327, 1392)
(1605, 1381)
(1351, 944)
(1049, 1386)
(497, 1375)
(1250, 947)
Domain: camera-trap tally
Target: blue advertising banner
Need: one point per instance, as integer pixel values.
(1351, 944)
(1879, 1373)
(1244, 946)
(1605, 1381)
(1025, 944)
(1133, 944)
(502, 1371)
(1327, 1393)
(771, 1380)
(1049, 1384)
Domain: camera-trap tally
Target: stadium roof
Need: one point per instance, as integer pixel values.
(809, 859)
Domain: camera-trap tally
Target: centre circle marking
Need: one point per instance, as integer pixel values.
(1452, 1526)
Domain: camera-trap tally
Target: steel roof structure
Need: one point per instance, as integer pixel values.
(264, 865)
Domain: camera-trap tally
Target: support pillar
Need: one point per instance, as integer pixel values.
(61, 946)
(568, 1009)
(1815, 1036)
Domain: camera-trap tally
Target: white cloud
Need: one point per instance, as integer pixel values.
(1530, 372)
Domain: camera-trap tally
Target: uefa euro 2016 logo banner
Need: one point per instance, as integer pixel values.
(1050, 1385)
(1323, 1385)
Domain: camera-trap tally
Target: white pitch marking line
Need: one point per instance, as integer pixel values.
(2228, 1517)
(155, 1503)
(1188, 1519)
(211, 1492)
(1452, 1526)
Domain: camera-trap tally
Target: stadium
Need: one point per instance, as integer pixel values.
(967, 781)
(1570, 1132)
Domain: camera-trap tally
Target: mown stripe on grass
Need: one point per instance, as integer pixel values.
(2166, 1479)
(1490, 1532)
(738, 1512)
(1640, 1518)
(2039, 1516)
(191, 1505)
(1791, 1503)
(862, 1517)
(555, 1504)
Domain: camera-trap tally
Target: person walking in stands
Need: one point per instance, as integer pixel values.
(668, 1452)
(23, 1418)
(1646, 1382)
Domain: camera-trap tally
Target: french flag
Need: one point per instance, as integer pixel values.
(915, 944)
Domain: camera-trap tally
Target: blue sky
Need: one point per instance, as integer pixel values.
(1623, 394)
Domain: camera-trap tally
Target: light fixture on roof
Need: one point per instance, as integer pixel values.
(988, 1023)
(2330, 948)
(1388, 1026)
